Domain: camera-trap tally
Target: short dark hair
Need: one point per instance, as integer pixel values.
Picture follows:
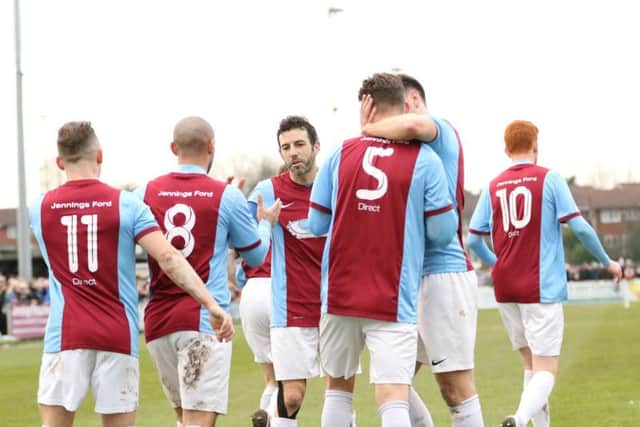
(411, 83)
(75, 141)
(384, 88)
(297, 122)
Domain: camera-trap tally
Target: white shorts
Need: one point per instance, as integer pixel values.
(447, 321)
(537, 326)
(194, 370)
(295, 353)
(392, 347)
(65, 378)
(255, 315)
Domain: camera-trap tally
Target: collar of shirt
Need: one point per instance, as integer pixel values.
(521, 162)
(190, 169)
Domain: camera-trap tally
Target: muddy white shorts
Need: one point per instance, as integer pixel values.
(65, 379)
(194, 370)
(447, 321)
(255, 315)
(295, 353)
(392, 348)
(537, 326)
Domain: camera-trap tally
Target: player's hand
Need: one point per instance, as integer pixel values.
(222, 323)
(367, 110)
(271, 213)
(615, 270)
(239, 183)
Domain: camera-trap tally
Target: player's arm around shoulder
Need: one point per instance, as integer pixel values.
(178, 269)
(406, 126)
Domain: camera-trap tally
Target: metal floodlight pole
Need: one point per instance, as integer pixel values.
(23, 235)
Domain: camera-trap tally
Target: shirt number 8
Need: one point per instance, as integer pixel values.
(184, 230)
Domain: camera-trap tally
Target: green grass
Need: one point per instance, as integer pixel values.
(598, 384)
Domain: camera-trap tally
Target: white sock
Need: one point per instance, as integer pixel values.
(272, 407)
(542, 418)
(467, 414)
(353, 418)
(179, 424)
(395, 414)
(535, 395)
(265, 399)
(418, 411)
(283, 422)
(336, 411)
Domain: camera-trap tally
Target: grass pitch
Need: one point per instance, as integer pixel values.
(598, 383)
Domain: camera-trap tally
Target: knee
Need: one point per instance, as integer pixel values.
(449, 393)
(293, 399)
(456, 391)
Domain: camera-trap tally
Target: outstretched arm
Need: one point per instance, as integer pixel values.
(588, 237)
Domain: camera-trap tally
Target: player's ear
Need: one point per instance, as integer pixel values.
(316, 146)
(59, 163)
(210, 146)
(174, 148)
(99, 156)
(407, 107)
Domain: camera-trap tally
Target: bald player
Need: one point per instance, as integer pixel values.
(201, 217)
(87, 231)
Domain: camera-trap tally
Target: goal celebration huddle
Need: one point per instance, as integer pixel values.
(365, 250)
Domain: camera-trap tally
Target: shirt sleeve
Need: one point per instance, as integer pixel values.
(140, 191)
(436, 193)
(143, 220)
(476, 243)
(588, 237)
(566, 207)
(322, 191)
(34, 217)
(481, 219)
(251, 243)
(438, 143)
(241, 276)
